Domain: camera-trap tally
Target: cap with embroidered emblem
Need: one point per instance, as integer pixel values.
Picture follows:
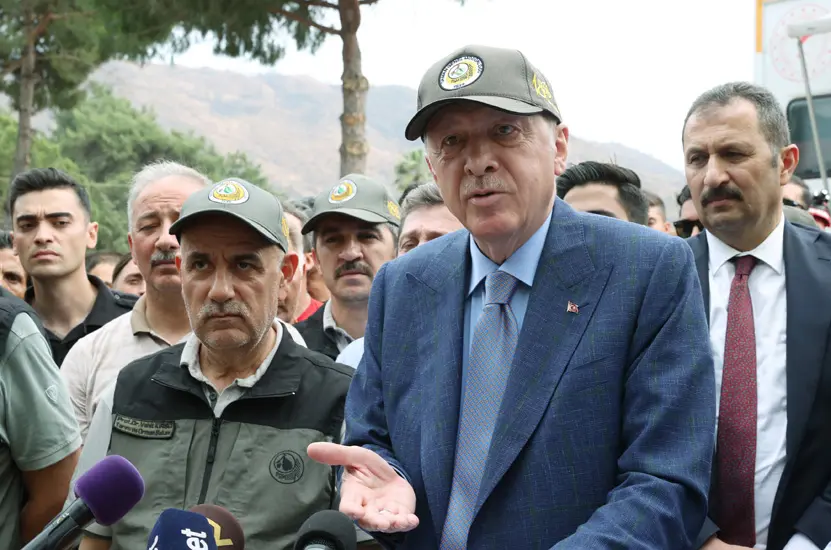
(356, 196)
(252, 205)
(500, 78)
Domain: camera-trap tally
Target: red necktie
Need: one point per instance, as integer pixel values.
(736, 451)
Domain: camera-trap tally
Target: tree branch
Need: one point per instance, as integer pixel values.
(10, 68)
(41, 27)
(49, 17)
(67, 15)
(321, 4)
(367, 2)
(303, 21)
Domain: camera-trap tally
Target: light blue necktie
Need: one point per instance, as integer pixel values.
(491, 353)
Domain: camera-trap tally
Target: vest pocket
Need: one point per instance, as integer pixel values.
(159, 450)
(271, 485)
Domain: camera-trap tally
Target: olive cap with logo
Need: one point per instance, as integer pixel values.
(500, 78)
(356, 196)
(246, 202)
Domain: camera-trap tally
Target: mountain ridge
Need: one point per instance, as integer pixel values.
(290, 124)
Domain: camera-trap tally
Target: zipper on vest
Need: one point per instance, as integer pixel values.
(275, 396)
(209, 461)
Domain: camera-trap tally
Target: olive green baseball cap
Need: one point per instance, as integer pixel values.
(239, 199)
(500, 78)
(356, 196)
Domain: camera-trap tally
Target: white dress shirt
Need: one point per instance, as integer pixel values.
(767, 292)
(352, 354)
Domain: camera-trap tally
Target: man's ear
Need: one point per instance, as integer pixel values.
(92, 235)
(790, 160)
(430, 167)
(289, 267)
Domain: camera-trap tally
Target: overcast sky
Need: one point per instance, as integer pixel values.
(622, 71)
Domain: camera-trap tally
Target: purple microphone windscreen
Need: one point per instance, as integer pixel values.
(110, 489)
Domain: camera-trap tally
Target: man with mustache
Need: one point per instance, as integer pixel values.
(225, 417)
(52, 231)
(424, 217)
(765, 282)
(158, 319)
(537, 380)
(355, 227)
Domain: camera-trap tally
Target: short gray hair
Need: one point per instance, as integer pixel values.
(302, 243)
(152, 173)
(772, 120)
(423, 196)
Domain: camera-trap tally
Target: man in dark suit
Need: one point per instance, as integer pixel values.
(766, 284)
(541, 379)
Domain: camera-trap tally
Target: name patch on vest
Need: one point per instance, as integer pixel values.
(146, 429)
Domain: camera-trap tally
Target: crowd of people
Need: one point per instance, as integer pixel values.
(524, 353)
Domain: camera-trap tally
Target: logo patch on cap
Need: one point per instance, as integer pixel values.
(343, 191)
(229, 192)
(285, 226)
(461, 72)
(392, 208)
(542, 89)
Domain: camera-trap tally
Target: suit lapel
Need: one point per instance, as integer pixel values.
(702, 265)
(701, 252)
(549, 336)
(808, 317)
(807, 272)
(444, 285)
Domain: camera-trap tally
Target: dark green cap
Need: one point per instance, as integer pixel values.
(244, 201)
(501, 78)
(358, 197)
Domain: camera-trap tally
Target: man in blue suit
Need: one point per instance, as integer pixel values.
(542, 379)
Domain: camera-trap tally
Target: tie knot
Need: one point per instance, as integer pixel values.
(499, 287)
(744, 265)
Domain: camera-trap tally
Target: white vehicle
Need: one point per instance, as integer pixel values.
(793, 60)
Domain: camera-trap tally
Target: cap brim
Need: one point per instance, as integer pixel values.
(180, 224)
(415, 129)
(363, 215)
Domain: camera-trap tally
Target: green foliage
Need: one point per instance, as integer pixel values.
(72, 38)
(412, 168)
(103, 141)
(256, 29)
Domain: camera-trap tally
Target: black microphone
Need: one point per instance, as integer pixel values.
(105, 494)
(327, 530)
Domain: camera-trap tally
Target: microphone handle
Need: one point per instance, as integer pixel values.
(65, 530)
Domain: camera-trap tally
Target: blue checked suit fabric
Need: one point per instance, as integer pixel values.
(492, 349)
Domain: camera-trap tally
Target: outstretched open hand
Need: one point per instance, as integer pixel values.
(372, 492)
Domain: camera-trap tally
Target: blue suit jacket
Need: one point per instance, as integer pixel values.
(606, 432)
